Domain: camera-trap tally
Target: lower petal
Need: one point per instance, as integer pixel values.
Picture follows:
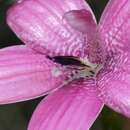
(73, 107)
(25, 74)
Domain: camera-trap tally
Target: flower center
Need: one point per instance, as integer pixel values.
(79, 68)
(89, 70)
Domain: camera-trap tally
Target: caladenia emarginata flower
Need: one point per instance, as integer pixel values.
(80, 65)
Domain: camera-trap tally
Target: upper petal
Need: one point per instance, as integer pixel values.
(114, 82)
(114, 26)
(25, 74)
(84, 21)
(40, 24)
(81, 20)
(73, 107)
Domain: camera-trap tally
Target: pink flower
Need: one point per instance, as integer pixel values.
(79, 64)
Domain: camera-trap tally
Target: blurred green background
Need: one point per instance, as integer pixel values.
(16, 116)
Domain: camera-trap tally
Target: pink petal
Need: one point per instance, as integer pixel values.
(114, 82)
(84, 21)
(73, 107)
(81, 20)
(114, 26)
(40, 24)
(25, 74)
(115, 89)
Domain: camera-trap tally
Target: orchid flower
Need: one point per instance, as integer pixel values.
(80, 65)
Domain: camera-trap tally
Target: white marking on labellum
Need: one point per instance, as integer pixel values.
(56, 72)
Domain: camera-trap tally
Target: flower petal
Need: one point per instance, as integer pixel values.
(114, 82)
(41, 26)
(73, 107)
(114, 26)
(115, 89)
(25, 74)
(84, 21)
(81, 20)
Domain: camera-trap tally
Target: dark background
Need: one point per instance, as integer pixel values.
(16, 116)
